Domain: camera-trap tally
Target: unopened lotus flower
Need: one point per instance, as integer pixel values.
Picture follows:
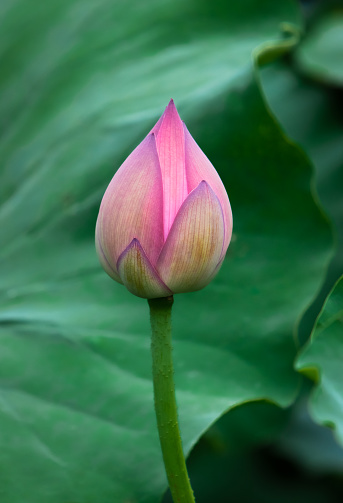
(165, 220)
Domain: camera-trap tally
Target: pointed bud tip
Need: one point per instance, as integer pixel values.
(172, 111)
(171, 105)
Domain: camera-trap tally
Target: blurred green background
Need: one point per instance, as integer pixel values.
(259, 377)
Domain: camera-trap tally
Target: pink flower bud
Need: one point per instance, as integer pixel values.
(165, 221)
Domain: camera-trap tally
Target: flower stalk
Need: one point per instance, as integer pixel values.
(165, 401)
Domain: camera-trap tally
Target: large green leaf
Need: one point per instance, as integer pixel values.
(309, 115)
(76, 395)
(322, 360)
(241, 472)
(308, 444)
(321, 53)
(80, 81)
(76, 415)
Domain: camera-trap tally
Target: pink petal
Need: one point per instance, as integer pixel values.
(138, 275)
(103, 260)
(157, 126)
(171, 152)
(198, 168)
(190, 255)
(132, 205)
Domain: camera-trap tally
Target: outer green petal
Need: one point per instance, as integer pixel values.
(193, 248)
(138, 275)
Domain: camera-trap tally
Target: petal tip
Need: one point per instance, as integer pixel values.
(171, 110)
(138, 274)
(204, 185)
(133, 244)
(171, 105)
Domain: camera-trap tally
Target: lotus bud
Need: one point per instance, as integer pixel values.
(165, 220)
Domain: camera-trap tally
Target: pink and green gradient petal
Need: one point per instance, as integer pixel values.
(132, 206)
(198, 168)
(110, 269)
(138, 274)
(194, 245)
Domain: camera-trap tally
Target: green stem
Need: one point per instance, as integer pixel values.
(165, 402)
